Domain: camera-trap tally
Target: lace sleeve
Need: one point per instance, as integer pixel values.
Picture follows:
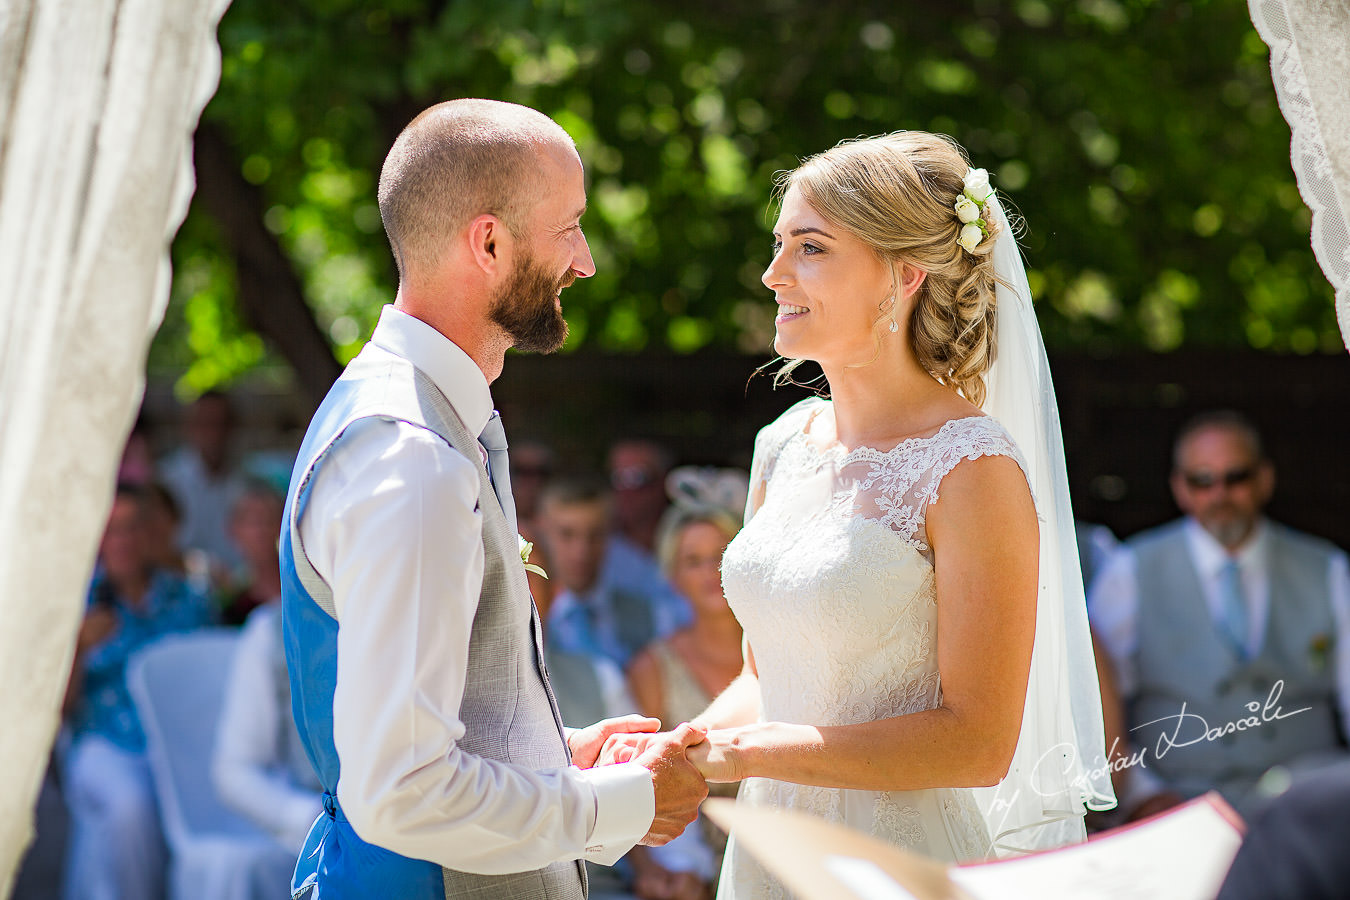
(897, 486)
(768, 444)
(971, 439)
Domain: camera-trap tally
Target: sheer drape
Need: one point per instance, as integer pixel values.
(98, 101)
(1310, 60)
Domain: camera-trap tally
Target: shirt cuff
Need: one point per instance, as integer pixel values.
(625, 805)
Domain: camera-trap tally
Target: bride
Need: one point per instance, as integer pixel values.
(917, 660)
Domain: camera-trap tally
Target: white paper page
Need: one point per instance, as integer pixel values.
(1181, 856)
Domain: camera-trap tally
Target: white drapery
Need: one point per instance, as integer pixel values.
(1309, 44)
(98, 102)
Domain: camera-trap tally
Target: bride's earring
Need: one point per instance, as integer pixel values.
(893, 326)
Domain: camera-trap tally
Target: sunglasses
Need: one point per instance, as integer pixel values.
(630, 479)
(1200, 481)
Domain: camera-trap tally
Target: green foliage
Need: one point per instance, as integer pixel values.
(1140, 140)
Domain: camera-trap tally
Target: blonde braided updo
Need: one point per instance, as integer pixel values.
(897, 193)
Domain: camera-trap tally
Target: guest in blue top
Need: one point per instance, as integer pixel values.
(116, 849)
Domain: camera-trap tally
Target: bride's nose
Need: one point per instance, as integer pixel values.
(775, 276)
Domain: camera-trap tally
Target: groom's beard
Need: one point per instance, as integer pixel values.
(526, 308)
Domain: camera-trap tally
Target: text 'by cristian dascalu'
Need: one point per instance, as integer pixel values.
(1190, 728)
(1187, 729)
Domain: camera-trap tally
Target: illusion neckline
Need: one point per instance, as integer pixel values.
(862, 450)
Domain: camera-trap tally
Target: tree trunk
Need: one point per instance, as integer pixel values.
(270, 296)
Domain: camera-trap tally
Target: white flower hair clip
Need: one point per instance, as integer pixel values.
(970, 209)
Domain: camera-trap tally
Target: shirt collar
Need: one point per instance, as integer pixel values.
(1210, 555)
(448, 366)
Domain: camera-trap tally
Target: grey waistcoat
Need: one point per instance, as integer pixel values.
(1182, 658)
(508, 708)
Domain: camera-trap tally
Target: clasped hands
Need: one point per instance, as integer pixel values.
(682, 762)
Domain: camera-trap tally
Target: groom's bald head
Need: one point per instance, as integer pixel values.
(456, 161)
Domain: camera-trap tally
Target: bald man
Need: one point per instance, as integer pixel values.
(414, 649)
(1230, 632)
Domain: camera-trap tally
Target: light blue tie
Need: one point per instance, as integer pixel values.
(582, 631)
(493, 440)
(1233, 606)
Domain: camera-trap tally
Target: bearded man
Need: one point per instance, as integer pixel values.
(1230, 632)
(414, 649)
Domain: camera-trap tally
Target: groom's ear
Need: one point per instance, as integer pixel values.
(487, 236)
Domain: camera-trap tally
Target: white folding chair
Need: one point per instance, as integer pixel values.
(177, 684)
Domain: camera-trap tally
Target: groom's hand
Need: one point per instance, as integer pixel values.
(586, 743)
(678, 785)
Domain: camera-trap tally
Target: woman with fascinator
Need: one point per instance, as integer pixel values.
(917, 659)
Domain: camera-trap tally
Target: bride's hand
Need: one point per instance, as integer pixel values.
(622, 748)
(587, 744)
(716, 758)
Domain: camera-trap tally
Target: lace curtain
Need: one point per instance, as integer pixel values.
(98, 101)
(1310, 60)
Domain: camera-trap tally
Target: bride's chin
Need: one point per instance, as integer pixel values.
(787, 348)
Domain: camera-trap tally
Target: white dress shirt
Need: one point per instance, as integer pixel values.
(250, 766)
(1113, 605)
(392, 528)
(206, 501)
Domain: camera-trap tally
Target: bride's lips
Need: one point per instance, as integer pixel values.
(787, 312)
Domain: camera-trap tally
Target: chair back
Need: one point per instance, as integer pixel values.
(178, 685)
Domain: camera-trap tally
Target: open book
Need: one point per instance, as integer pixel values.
(1181, 854)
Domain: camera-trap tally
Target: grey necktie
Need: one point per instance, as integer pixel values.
(1233, 606)
(493, 440)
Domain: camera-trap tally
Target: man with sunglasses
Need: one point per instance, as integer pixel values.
(1230, 633)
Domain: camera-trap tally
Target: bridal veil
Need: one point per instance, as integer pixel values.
(1059, 769)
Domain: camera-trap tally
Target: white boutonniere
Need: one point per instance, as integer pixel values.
(526, 548)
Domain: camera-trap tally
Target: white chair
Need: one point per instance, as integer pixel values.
(177, 684)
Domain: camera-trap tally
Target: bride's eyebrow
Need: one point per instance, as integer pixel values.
(798, 232)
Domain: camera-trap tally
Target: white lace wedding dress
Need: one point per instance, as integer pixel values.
(832, 579)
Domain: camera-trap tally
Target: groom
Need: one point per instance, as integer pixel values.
(413, 646)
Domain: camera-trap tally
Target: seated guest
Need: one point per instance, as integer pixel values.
(637, 475)
(137, 465)
(162, 520)
(205, 482)
(531, 468)
(116, 848)
(532, 465)
(1096, 544)
(259, 767)
(1243, 622)
(637, 479)
(589, 615)
(255, 522)
(675, 679)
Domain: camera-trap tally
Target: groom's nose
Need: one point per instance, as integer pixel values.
(582, 262)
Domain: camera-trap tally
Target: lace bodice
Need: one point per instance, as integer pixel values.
(832, 579)
(832, 576)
